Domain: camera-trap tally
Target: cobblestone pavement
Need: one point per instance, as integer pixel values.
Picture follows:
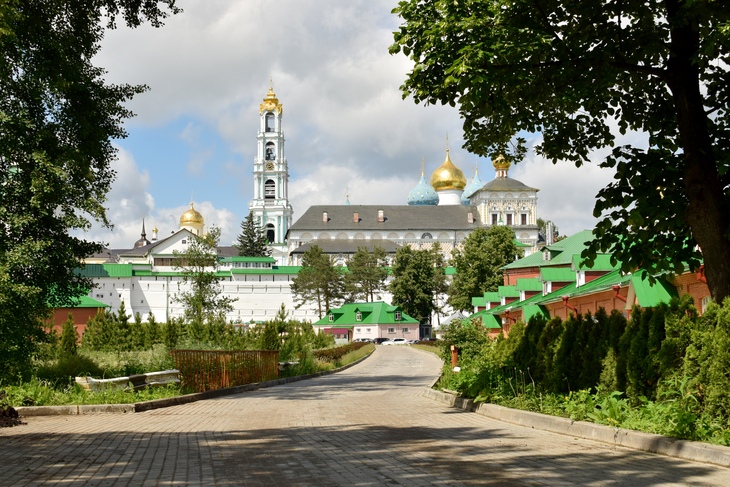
(366, 426)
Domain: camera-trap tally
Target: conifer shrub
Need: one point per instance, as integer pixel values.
(69, 338)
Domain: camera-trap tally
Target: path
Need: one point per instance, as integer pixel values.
(366, 426)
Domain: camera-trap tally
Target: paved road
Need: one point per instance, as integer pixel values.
(366, 426)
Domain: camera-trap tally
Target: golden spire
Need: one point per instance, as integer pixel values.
(448, 176)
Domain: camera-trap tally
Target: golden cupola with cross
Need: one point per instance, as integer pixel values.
(449, 182)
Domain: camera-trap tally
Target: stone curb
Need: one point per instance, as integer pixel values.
(27, 411)
(663, 445)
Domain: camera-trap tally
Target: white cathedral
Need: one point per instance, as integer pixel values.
(444, 209)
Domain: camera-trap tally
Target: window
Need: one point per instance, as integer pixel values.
(426, 236)
(509, 219)
(494, 218)
(367, 330)
(397, 316)
(269, 122)
(406, 330)
(270, 234)
(331, 317)
(523, 219)
(270, 155)
(358, 316)
(358, 330)
(391, 330)
(269, 189)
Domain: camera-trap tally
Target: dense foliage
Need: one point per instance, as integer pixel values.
(319, 281)
(366, 275)
(58, 117)
(418, 281)
(579, 72)
(664, 370)
(479, 261)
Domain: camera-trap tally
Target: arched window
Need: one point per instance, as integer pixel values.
(269, 122)
(270, 234)
(269, 189)
(426, 236)
(270, 153)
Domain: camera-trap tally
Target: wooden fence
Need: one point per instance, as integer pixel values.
(208, 370)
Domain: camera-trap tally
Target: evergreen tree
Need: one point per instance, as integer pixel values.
(479, 263)
(252, 241)
(69, 337)
(124, 335)
(367, 274)
(318, 280)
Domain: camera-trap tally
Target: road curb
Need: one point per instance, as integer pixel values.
(72, 410)
(637, 440)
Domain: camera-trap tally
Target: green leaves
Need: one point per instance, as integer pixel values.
(580, 72)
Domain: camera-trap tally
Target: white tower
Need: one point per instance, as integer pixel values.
(270, 205)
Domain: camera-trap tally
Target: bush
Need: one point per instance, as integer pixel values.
(62, 372)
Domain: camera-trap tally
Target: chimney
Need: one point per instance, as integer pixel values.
(381, 216)
(356, 218)
(324, 217)
(470, 217)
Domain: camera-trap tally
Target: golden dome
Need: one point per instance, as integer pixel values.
(501, 162)
(271, 103)
(448, 176)
(192, 216)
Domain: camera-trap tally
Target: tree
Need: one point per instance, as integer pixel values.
(57, 120)
(572, 70)
(199, 265)
(367, 274)
(318, 280)
(252, 241)
(479, 263)
(69, 337)
(418, 279)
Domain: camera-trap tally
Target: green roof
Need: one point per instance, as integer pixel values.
(375, 313)
(87, 302)
(492, 297)
(649, 295)
(528, 284)
(488, 320)
(478, 301)
(560, 252)
(557, 274)
(508, 292)
(238, 258)
(601, 263)
(106, 270)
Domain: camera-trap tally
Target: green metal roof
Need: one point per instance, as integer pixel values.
(529, 284)
(601, 263)
(285, 269)
(561, 252)
(237, 258)
(478, 301)
(508, 292)
(557, 274)
(375, 313)
(488, 320)
(87, 302)
(106, 270)
(492, 297)
(649, 295)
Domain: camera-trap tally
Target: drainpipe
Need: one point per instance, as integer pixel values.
(701, 274)
(565, 302)
(616, 289)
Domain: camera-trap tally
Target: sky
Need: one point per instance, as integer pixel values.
(348, 130)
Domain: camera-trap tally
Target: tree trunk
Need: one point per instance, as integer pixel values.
(707, 215)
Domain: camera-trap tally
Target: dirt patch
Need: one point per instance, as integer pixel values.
(9, 417)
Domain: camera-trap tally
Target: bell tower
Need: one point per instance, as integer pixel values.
(270, 204)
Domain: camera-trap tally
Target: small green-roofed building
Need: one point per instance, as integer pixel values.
(492, 297)
(557, 254)
(508, 292)
(378, 319)
(488, 320)
(478, 302)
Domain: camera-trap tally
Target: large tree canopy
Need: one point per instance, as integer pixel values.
(570, 69)
(57, 120)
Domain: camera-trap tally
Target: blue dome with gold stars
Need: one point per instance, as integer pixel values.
(423, 193)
